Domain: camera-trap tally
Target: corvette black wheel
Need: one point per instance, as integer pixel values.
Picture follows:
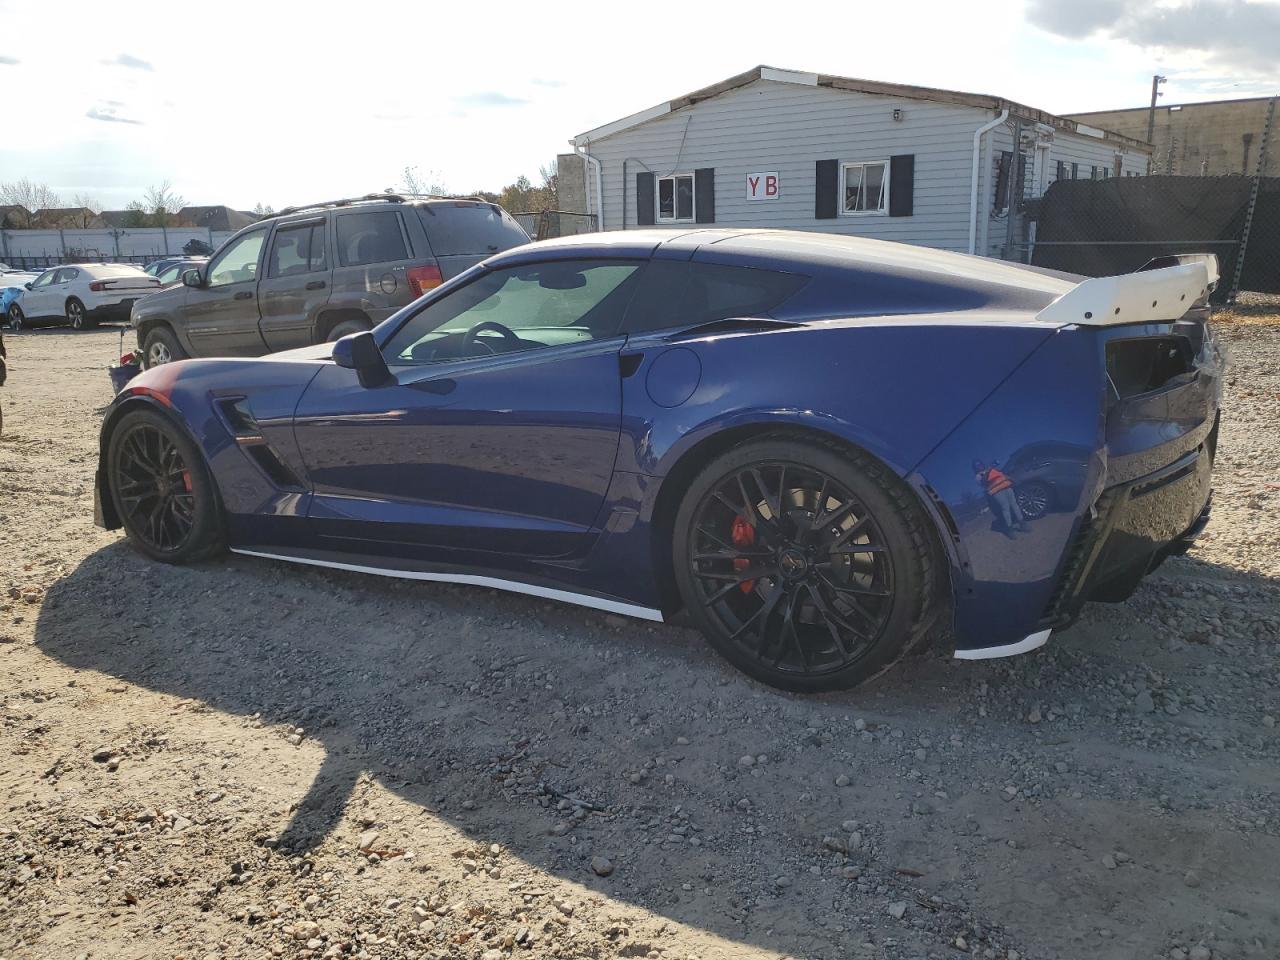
(805, 566)
(162, 490)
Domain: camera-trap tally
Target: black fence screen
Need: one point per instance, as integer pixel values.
(1103, 227)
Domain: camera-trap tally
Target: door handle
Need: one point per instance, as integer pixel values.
(244, 295)
(315, 285)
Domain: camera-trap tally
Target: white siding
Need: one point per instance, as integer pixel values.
(786, 128)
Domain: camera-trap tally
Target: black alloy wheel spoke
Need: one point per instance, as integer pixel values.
(151, 482)
(808, 588)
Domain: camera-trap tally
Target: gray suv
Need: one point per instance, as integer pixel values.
(316, 273)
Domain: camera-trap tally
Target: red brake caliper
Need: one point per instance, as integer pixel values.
(186, 480)
(743, 535)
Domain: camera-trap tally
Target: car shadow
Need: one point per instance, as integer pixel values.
(491, 710)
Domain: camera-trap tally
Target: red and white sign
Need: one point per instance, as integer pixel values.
(762, 186)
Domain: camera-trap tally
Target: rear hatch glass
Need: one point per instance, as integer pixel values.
(476, 229)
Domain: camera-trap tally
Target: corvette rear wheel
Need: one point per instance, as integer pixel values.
(162, 490)
(808, 567)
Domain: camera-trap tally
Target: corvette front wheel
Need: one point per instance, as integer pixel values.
(162, 490)
(805, 565)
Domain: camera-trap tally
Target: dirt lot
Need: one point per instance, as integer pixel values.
(246, 759)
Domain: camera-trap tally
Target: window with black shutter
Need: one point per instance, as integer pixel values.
(704, 195)
(645, 208)
(902, 185)
(826, 201)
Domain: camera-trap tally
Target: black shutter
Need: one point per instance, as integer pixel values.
(1062, 171)
(1002, 178)
(644, 199)
(902, 184)
(704, 195)
(827, 185)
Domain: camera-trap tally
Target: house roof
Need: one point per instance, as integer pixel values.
(873, 87)
(117, 218)
(63, 215)
(215, 217)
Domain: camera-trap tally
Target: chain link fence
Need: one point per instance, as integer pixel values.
(546, 224)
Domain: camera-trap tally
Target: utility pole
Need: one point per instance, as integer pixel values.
(1151, 114)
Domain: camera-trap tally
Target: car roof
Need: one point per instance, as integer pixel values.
(794, 251)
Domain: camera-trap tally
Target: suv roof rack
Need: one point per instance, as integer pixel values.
(370, 197)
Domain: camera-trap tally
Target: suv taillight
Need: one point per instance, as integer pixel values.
(97, 286)
(424, 278)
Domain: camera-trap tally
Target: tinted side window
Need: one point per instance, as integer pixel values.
(238, 262)
(45, 278)
(469, 228)
(370, 238)
(297, 250)
(519, 308)
(684, 294)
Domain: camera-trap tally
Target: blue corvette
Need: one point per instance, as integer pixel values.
(819, 447)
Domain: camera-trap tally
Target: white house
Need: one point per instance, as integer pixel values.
(806, 151)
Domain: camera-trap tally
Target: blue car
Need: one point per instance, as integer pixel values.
(801, 440)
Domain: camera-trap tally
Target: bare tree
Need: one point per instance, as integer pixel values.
(420, 184)
(550, 174)
(87, 209)
(29, 194)
(162, 203)
(260, 210)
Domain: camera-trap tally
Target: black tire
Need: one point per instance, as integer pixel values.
(832, 579)
(161, 346)
(1035, 499)
(17, 319)
(346, 327)
(162, 490)
(78, 316)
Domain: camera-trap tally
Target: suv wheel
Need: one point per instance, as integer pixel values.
(346, 327)
(160, 346)
(16, 319)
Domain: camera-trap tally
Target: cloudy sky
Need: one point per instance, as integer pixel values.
(280, 102)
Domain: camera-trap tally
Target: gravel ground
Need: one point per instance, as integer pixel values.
(245, 759)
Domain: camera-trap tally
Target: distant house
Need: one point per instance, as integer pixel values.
(65, 218)
(808, 151)
(14, 216)
(118, 218)
(214, 218)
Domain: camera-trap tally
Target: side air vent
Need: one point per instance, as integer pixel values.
(1147, 364)
(240, 421)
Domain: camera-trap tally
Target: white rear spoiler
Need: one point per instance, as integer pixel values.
(1154, 294)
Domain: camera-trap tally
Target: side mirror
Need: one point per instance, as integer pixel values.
(27, 285)
(192, 278)
(359, 352)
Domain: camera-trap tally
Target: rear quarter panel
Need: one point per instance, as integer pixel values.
(895, 388)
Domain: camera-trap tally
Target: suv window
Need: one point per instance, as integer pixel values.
(297, 249)
(238, 263)
(685, 294)
(373, 237)
(541, 304)
(469, 228)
